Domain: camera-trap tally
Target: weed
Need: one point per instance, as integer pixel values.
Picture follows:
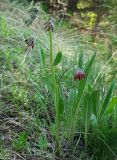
(19, 143)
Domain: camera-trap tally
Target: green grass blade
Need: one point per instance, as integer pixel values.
(86, 114)
(82, 83)
(80, 93)
(112, 104)
(89, 65)
(107, 99)
(96, 101)
(42, 55)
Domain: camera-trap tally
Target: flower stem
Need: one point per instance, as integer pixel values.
(55, 97)
(51, 55)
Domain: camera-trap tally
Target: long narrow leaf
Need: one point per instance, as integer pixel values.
(86, 114)
(88, 66)
(61, 102)
(87, 109)
(107, 99)
(96, 101)
(83, 82)
(42, 57)
(112, 104)
(80, 93)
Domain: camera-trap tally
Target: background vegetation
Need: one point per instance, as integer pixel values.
(44, 112)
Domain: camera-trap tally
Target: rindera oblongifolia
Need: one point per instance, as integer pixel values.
(79, 75)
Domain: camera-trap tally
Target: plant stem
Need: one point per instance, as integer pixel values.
(51, 50)
(86, 130)
(55, 97)
(64, 74)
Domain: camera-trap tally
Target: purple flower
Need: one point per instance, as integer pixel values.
(79, 75)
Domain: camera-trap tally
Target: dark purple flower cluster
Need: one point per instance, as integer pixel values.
(30, 43)
(79, 75)
(49, 25)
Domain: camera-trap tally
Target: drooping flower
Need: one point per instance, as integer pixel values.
(33, 16)
(30, 43)
(49, 25)
(79, 75)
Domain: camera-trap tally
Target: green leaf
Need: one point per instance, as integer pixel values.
(43, 143)
(61, 106)
(87, 109)
(89, 64)
(42, 57)
(90, 88)
(112, 104)
(79, 95)
(107, 99)
(48, 82)
(19, 143)
(82, 83)
(95, 101)
(57, 59)
(61, 102)
(86, 114)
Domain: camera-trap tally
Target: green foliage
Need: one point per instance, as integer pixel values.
(112, 104)
(4, 31)
(4, 155)
(19, 143)
(107, 99)
(96, 102)
(42, 143)
(57, 59)
(42, 55)
(86, 114)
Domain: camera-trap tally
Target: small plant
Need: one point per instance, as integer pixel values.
(58, 95)
(19, 143)
(42, 143)
(89, 99)
(4, 31)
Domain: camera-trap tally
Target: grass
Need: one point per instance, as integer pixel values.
(44, 113)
